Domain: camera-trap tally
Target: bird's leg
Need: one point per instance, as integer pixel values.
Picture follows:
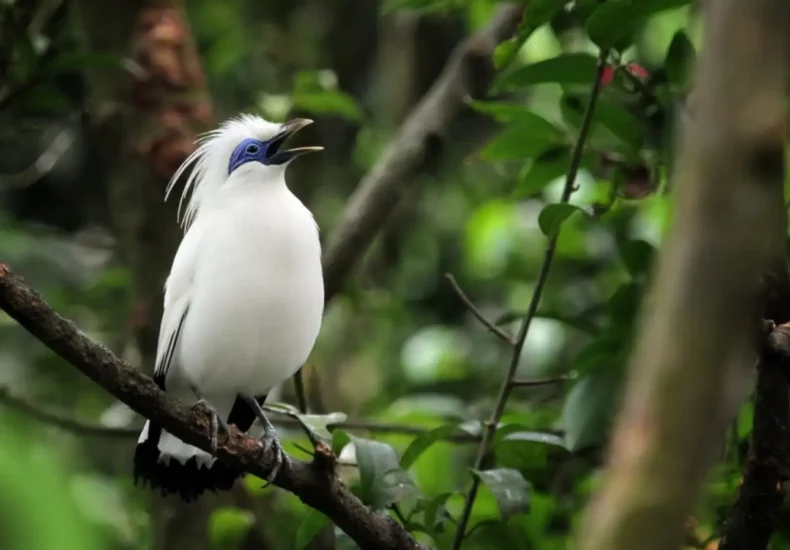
(216, 419)
(269, 437)
(311, 434)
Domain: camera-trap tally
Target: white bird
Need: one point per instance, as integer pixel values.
(243, 302)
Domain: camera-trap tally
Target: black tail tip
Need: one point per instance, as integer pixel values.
(188, 480)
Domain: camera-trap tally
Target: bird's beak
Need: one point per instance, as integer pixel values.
(276, 155)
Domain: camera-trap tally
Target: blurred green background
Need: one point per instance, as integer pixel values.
(82, 178)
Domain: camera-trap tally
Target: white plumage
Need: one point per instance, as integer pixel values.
(244, 298)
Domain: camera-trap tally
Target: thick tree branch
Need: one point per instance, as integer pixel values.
(752, 518)
(692, 361)
(468, 74)
(315, 484)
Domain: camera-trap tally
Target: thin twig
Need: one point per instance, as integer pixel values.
(474, 310)
(43, 164)
(93, 429)
(73, 425)
(399, 515)
(539, 381)
(507, 382)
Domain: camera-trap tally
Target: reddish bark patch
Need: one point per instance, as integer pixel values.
(168, 86)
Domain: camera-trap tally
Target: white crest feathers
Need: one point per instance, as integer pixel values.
(209, 161)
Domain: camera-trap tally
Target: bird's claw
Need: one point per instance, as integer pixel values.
(269, 440)
(216, 423)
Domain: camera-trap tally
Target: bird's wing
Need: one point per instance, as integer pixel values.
(178, 293)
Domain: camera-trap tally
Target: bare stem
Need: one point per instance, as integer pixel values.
(539, 381)
(474, 310)
(507, 382)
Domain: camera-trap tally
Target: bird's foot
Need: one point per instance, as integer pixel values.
(216, 422)
(270, 440)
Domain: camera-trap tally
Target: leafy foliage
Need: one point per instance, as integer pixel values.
(399, 348)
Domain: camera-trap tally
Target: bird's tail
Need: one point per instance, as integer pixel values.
(164, 462)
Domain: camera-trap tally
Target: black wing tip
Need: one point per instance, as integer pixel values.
(188, 480)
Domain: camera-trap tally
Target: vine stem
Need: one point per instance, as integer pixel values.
(508, 381)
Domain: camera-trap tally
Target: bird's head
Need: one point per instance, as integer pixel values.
(246, 149)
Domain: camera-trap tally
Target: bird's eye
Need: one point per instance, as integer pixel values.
(252, 149)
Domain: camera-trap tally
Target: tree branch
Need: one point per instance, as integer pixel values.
(314, 483)
(507, 383)
(474, 310)
(539, 381)
(752, 518)
(468, 73)
(73, 425)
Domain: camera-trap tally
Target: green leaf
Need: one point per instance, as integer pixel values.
(228, 526)
(614, 24)
(536, 14)
(571, 68)
(542, 171)
(527, 138)
(620, 121)
(494, 533)
(680, 59)
(435, 512)
(588, 409)
(503, 111)
(601, 136)
(506, 52)
(312, 524)
(382, 481)
(638, 257)
(423, 442)
(745, 419)
(424, 6)
(623, 306)
(318, 423)
(281, 408)
(331, 102)
(340, 439)
(554, 215)
(509, 488)
(602, 352)
(37, 489)
(540, 12)
(578, 322)
(536, 437)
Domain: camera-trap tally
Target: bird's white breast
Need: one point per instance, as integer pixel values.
(257, 296)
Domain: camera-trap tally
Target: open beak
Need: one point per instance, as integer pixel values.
(274, 151)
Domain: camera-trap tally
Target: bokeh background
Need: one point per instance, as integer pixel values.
(99, 103)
